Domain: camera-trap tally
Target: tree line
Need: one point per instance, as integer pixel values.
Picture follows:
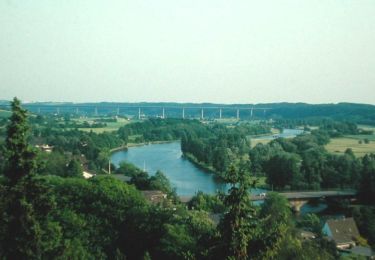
(48, 216)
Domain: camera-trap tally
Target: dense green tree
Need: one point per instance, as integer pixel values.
(282, 169)
(237, 225)
(365, 219)
(206, 202)
(53, 163)
(74, 168)
(274, 227)
(26, 232)
(19, 155)
(127, 169)
(313, 164)
(367, 186)
(310, 222)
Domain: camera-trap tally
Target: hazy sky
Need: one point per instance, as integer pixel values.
(234, 51)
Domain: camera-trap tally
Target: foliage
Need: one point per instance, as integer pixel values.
(282, 169)
(238, 225)
(18, 154)
(310, 222)
(206, 202)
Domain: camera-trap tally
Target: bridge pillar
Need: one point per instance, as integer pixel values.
(297, 205)
(139, 113)
(220, 113)
(202, 114)
(77, 110)
(118, 111)
(183, 113)
(251, 112)
(96, 111)
(163, 114)
(238, 114)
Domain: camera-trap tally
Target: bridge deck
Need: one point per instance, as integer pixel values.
(310, 195)
(296, 195)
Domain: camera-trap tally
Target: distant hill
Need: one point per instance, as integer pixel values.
(360, 113)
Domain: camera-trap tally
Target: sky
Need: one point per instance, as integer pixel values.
(232, 51)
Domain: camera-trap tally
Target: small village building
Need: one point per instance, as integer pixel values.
(45, 147)
(154, 196)
(342, 231)
(87, 175)
(306, 235)
(362, 251)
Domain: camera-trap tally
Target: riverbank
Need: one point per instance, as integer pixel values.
(201, 165)
(124, 147)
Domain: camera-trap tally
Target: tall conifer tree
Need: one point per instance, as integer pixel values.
(19, 155)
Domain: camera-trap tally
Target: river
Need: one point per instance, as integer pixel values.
(286, 133)
(186, 177)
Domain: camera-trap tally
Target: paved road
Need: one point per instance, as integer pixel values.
(310, 194)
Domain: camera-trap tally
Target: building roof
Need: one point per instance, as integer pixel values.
(87, 175)
(364, 251)
(343, 230)
(154, 196)
(305, 234)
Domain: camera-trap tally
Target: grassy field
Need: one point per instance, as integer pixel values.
(254, 142)
(355, 142)
(112, 126)
(339, 145)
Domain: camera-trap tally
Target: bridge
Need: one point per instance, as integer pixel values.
(202, 111)
(299, 198)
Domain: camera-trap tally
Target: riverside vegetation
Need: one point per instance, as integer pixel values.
(49, 211)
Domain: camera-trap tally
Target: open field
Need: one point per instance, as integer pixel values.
(339, 145)
(254, 142)
(111, 126)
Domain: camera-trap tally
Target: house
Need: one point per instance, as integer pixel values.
(45, 147)
(362, 251)
(87, 175)
(154, 196)
(342, 231)
(306, 235)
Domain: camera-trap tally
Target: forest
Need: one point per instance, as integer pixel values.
(48, 210)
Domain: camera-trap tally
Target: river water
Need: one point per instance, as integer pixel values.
(186, 177)
(286, 133)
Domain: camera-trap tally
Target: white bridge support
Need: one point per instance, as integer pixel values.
(96, 111)
(220, 113)
(139, 113)
(251, 112)
(183, 113)
(202, 114)
(238, 114)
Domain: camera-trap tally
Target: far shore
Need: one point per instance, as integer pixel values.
(120, 148)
